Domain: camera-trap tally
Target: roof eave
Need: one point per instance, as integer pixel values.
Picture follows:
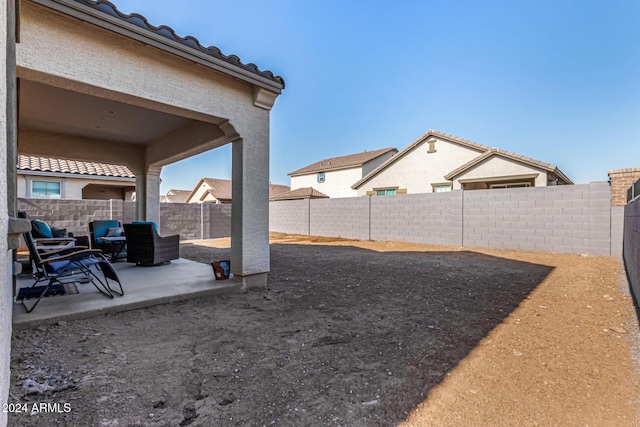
(90, 15)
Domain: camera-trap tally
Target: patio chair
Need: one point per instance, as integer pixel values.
(105, 228)
(146, 247)
(70, 265)
(43, 233)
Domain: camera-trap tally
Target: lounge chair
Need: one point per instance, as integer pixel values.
(71, 265)
(146, 247)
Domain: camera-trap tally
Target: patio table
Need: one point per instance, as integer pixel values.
(117, 244)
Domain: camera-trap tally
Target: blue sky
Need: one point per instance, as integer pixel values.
(558, 81)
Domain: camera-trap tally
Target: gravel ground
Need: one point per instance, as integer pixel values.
(351, 334)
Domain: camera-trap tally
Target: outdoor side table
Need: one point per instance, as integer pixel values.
(117, 244)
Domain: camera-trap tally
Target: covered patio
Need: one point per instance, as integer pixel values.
(119, 90)
(86, 82)
(143, 287)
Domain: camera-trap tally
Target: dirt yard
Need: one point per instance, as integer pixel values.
(352, 334)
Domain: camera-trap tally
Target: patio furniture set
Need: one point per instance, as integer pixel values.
(59, 258)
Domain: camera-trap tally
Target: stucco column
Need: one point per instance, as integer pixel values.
(7, 145)
(250, 212)
(148, 195)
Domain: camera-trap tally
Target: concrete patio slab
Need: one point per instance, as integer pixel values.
(143, 287)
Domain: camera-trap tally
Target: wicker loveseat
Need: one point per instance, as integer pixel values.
(146, 247)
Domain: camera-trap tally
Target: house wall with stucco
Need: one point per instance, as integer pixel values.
(337, 183)
(7, 139)
(76, 188)
(418, 169)
(499, 167)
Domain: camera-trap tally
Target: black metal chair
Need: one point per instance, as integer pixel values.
(146, 247)
(70, 265)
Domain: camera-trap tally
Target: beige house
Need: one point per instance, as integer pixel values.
(213, 190)
(438, 162)
(333, 177)
(42, 177)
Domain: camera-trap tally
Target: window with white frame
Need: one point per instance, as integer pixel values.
(46, 189)
(320, 176)
(386, 192)
(441, 188)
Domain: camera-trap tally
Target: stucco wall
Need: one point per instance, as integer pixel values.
(6, 138)
(563, 219)
(496, 166)
(632, 245)
(418, 169)
(336, 183)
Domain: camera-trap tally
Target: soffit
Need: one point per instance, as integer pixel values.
(50, 109)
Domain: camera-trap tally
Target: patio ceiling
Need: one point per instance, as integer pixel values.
(55, 110)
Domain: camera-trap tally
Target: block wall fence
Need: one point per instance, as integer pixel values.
(573, 219)
(632, 245)
(190, 221)
(576, 219)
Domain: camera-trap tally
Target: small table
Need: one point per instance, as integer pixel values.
(117, 245)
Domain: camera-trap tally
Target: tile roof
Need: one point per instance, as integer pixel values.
(218, 188)
(176, 196)
(342, 162)
(420, 140)
(275, 189)
(45, 164)
(300, 193)
(508, 155)
(140, 21)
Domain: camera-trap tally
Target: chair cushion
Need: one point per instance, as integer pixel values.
(155, 226)
(115, 232)
(40, 229)
(101, 227)
(58, 232)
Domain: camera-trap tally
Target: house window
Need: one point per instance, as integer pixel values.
(511, 185)
(46, 190)
(320, 176)
(386, 192)
(441, 188)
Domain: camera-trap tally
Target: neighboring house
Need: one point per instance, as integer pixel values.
(438, 162)
(175, 196)
(213, 190)
(334, 177)
(42, 177)
(300, 193)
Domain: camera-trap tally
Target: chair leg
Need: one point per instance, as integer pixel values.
(49, 285)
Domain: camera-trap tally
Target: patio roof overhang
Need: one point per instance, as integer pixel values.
(98, 85)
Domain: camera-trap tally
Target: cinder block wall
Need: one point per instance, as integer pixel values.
(289, 216)
(430, 218)
(74, 215)
(341, 217)
(632, 245)
(621, 180)
(219, 220)
(561, 219)
(175, 218)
